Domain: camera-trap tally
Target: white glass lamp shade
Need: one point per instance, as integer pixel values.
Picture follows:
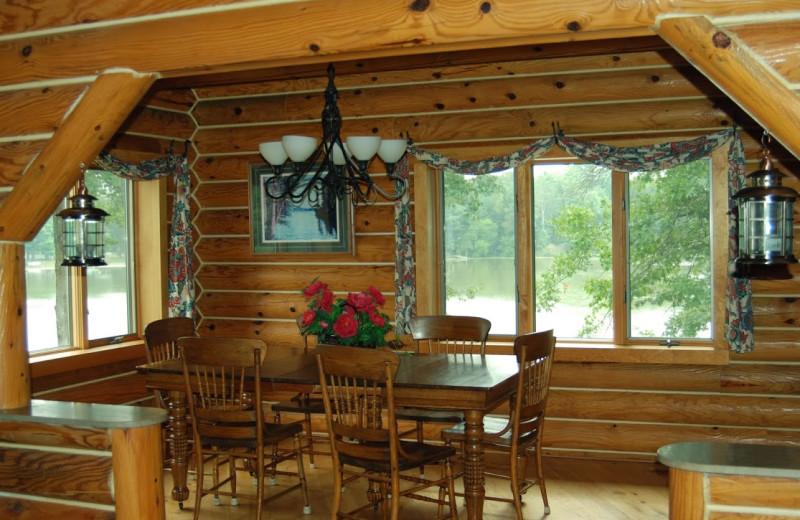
(273, 152)
(391, 150)
(339, 158)
(299, 147)
(364, 147)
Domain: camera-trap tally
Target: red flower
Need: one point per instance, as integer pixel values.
(315, 287)
(361, 302)
(375, 293)
(325, 300)
(377, 319)
(346, 326)
(308, 317)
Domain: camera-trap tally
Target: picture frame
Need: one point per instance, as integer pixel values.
(284, 226)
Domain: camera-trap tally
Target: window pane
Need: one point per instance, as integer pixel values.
(572, 237)
(670, 252)
(479, 248)
(110, 288)
(47, 292)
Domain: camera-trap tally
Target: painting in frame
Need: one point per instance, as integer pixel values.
(284, 226)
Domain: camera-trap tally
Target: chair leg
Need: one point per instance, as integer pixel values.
(309, 440)
(514, 475)
(421, 438)
(232, 466)
(540, 474)
(336, 507)
(301, 474)
(199, 492)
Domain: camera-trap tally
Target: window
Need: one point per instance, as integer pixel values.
(479, 243)
(57, 296)
(656, 235)
(620, 258)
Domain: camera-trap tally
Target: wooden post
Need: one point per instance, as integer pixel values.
(138, 485)
(15, 379)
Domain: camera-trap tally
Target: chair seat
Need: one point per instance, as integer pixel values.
(302, 405)
(492, 426)
(273, 433)
(425, 415)
(418, 454)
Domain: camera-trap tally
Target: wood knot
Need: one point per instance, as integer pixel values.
(574, 26)
(420, 5)
(26, 51)
(721, 40)
(486, 7)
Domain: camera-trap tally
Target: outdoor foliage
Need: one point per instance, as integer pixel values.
(668, 232)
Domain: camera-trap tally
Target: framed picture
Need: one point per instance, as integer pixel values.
(284, 226)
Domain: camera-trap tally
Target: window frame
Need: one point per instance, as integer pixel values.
(428, 219)
(149, 253)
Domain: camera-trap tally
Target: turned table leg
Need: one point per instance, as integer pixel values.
(178, 446)
(474, 479)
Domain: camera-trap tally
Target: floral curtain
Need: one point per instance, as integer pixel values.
(405, 290)
(181, 250)
(739, 313)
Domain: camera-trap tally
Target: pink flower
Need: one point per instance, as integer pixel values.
(375, 293)
(346, 326)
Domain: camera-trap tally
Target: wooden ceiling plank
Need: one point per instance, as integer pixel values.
(738, 73)
(83, 134)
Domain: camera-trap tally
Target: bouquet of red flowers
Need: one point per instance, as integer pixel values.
(352, 321)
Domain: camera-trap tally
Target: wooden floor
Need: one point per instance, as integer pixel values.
(576, 490)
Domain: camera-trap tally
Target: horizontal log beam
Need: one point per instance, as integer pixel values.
(206, 41)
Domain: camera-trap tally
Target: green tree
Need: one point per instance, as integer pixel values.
(669, 244)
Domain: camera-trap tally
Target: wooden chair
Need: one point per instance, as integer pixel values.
(304, 403)
(229, 428)
(520, 432)
(161, 344)
(443, 335)
(358, 393)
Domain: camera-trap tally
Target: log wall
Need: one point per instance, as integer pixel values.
(597, 409)
(495, 102)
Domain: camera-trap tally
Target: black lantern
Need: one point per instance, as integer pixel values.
(82, 230)
(765, 224)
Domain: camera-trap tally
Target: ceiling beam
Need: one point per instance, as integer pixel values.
(85, 131)
(736, 70)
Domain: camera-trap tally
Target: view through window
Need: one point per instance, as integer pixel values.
(652, 230)
(52, 298)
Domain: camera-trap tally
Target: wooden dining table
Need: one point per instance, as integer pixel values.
(473, 383)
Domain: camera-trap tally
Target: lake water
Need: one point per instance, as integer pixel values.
(107, 305)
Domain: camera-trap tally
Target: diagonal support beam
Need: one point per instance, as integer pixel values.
(735, 69)
(85, 131)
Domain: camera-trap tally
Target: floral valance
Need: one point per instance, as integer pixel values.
(180, 285)
(739, 312)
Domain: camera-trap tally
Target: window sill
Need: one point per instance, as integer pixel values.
(580, 353)
(60, 362)
(649, 354)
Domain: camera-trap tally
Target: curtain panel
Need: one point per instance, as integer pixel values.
(739, 311)
(180, 285)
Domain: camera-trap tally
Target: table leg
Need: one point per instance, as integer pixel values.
(178, 446)
(474, 478)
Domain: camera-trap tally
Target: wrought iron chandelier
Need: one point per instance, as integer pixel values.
(332, 168)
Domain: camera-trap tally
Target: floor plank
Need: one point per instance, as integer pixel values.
(576, 489)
